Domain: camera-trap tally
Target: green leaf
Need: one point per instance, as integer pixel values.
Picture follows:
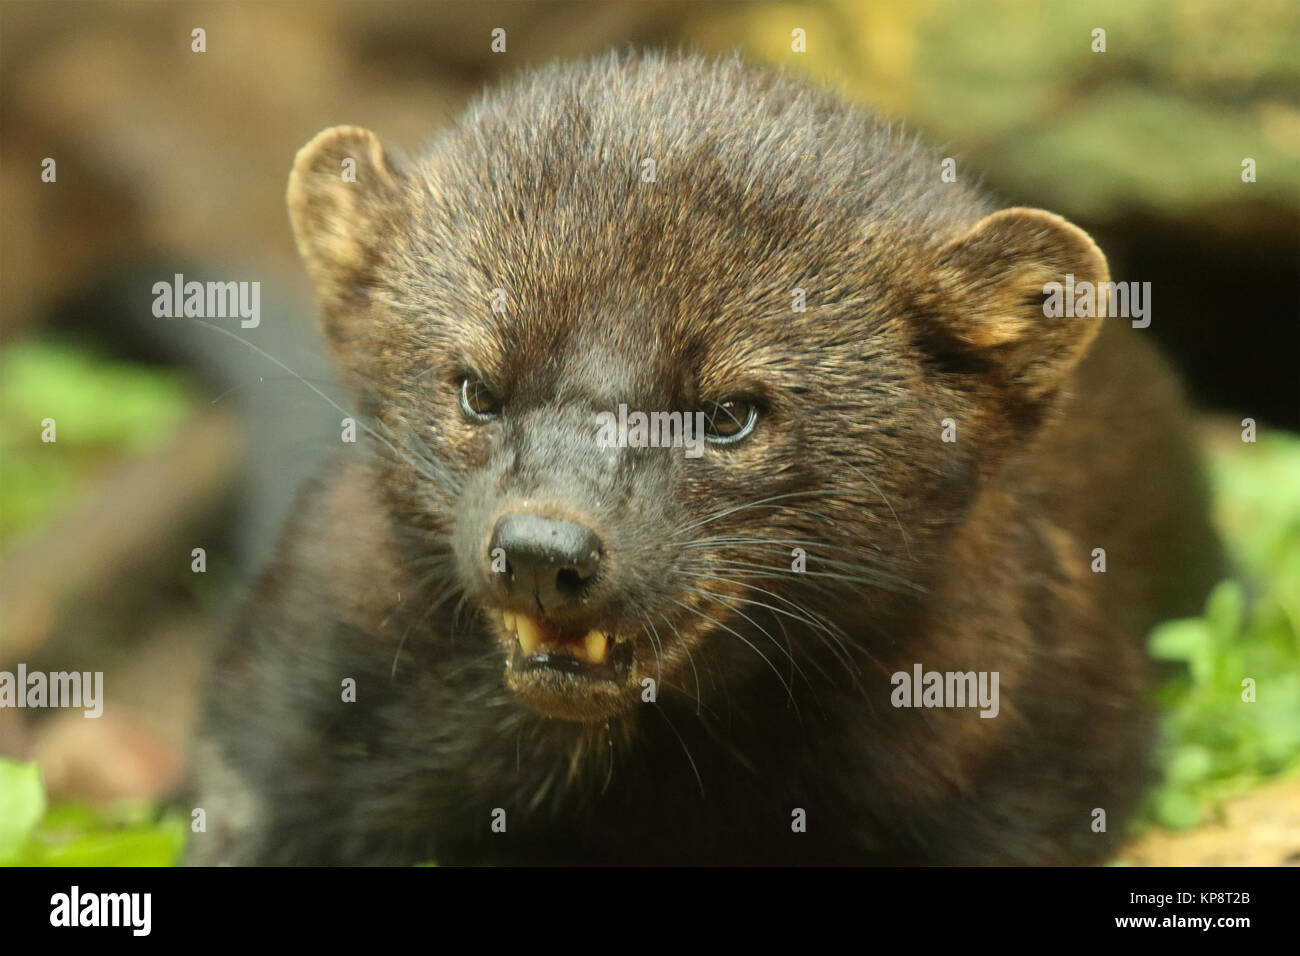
(1190, 764)
(1178, 810)
(155, 845)
(1188, 639)
(1223, 610)
(22, 804)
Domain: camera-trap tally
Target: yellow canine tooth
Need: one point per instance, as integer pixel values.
(530, 636)
(595, 644)
(508, 621)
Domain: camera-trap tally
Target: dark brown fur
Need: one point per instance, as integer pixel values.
(924, 303)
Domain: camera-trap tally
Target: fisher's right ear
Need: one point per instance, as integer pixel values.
(344, 193)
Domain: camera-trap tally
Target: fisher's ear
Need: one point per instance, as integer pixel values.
(343, 192)
(997, 282)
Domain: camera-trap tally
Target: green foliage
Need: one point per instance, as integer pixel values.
(1216, 743)
(32, 835)
(102, 408)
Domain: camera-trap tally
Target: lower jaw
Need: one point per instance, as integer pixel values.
(556, 685)
(565, 697)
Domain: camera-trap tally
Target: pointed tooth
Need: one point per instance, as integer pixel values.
(530, 636)
(508, 621)
(596, 644)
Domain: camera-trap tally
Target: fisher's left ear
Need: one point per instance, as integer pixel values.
(993, 279)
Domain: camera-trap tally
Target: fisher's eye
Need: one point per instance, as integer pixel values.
(477, 403)
(729, 421)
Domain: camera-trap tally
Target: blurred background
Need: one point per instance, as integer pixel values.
(173, 436)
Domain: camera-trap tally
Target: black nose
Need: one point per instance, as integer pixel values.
(547, 562)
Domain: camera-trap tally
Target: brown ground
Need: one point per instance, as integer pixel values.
(1258, 829)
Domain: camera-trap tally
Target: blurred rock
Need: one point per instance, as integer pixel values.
(114, 757)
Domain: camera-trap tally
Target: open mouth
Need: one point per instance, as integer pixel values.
(547, 648)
